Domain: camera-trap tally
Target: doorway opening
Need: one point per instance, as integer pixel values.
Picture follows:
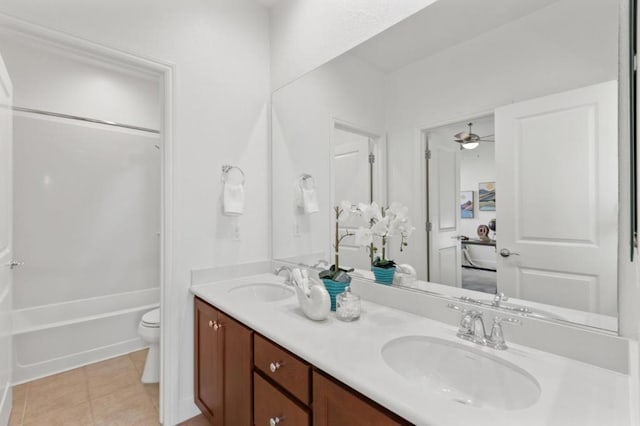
(358, 158)
(461, 205)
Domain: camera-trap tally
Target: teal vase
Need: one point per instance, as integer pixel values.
(384, 275)
(334, 288)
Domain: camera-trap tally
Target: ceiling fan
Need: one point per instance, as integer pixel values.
(469, 140)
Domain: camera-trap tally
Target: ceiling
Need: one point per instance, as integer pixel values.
(439, 26)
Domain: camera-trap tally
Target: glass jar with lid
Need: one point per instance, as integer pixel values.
(348, 305)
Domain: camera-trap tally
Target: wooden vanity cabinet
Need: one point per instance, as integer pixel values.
(223, 367)
(244, 379)
(282, 385)
(334, 404)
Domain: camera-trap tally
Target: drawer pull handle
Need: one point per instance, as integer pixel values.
(273, 421)
(217, 326)
(275, 366)
(210, 324)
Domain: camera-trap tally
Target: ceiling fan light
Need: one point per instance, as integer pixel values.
(470, 145)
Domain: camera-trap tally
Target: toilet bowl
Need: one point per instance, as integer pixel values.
(149, 331)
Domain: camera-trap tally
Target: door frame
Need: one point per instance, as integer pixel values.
(380, 190)
(379, 149)
(421, 144)
(166, 73)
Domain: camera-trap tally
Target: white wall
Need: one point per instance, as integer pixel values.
(303, 116)
(307, 33)
(511, 63)
(51, 77)
(220, 50)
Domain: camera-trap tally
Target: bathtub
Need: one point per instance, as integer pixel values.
(53, 338)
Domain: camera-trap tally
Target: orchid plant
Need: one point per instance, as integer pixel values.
(383, 224)
(343, 212)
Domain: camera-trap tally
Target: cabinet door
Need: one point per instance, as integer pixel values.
(336, 405)
(238, 365)
(209, 361)
(272, 406)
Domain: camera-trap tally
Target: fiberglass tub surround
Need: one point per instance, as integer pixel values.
(418, 368)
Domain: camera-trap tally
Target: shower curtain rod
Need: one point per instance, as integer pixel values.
(89, 120)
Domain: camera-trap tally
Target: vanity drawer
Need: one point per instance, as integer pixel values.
(270, 406)
(285, 369)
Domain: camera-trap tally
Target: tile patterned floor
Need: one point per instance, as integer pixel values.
(105, 393)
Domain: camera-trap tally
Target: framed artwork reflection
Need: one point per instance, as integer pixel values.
(466, 205)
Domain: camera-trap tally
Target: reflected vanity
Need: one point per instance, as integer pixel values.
(389, 121)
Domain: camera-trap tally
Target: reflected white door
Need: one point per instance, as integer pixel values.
(444, 211)
(6, 254)
(557, 198)
(352, 182)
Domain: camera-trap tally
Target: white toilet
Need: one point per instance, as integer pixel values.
(149, 331)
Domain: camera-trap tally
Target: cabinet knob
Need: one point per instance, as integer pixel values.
(274, 366)
(217, 326)
(273, 421)
(210, 324)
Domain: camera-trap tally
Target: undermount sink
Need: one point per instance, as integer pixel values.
(265, 292)
(464, 375)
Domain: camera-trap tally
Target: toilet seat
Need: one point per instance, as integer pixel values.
(151, 319)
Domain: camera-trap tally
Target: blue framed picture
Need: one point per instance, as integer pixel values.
(466, 204)
(487, 196)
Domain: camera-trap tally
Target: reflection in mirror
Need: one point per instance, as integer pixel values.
(500, 137)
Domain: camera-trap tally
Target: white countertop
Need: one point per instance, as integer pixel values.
(572, 393)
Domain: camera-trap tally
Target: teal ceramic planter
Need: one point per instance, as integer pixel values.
(334, 288)
(384, 275)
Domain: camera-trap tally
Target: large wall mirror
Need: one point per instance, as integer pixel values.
(496, 124)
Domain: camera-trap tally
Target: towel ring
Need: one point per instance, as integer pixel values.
(305, 180)
(225, 173)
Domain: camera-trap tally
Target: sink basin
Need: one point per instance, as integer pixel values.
(460, 373)
(265, 292)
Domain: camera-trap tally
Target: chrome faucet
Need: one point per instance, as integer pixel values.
(289, 278)
(472, 328)
(478, 334)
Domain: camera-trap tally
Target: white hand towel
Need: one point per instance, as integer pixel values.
(309, 201)
(233, 199)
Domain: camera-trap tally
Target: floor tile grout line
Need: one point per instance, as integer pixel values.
(86, 380)
(24, 404)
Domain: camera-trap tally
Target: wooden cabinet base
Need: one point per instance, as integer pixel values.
(244, 379)
(336, 405)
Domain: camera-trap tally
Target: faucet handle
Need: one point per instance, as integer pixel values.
(500, 297)
(457, 308)
(496, 339)
(508, 320)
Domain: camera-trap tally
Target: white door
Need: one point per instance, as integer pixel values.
(444, 210)
(6, 253)
(557, 199)
(352, 177)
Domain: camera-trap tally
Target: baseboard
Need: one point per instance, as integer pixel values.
(5, 406)
(186, 410)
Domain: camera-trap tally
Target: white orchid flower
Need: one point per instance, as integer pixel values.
(347, 210)
(406, 229)
(364, 236)
(381, 227)
(370, 212)
(398, 211)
